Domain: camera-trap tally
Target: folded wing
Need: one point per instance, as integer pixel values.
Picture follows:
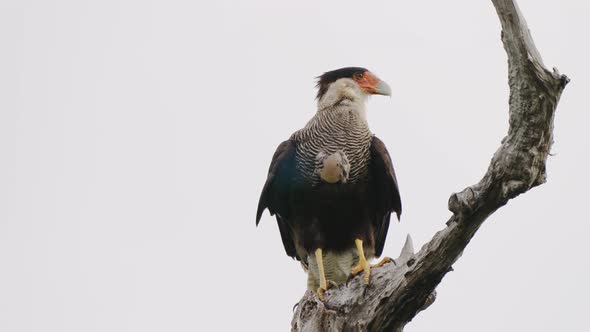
(385, 190)
(276, 191)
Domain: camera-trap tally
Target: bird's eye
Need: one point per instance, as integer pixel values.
(358, 76)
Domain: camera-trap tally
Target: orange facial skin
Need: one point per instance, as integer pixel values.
(367, 81)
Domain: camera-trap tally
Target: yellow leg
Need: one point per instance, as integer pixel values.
(323, 283)
(363, 264)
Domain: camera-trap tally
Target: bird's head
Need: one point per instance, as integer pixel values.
(359, 79)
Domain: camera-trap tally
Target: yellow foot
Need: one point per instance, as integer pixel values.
(363, 265)
(321, 290)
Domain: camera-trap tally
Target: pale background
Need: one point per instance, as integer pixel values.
(135, 137)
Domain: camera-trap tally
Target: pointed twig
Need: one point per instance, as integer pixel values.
(407, 251)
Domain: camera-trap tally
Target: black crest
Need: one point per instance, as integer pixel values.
(330, 77)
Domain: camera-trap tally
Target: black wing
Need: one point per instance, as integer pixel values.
(275, 193)
(385, 190)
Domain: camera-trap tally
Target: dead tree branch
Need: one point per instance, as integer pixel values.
(399, 291)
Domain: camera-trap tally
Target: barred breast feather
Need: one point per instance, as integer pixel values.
(336, 128)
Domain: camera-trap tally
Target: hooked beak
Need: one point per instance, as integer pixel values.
(373, 85)
(383, 89)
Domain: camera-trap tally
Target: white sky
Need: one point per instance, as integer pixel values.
(135, 137)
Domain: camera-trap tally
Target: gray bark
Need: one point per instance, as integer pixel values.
(399, 290)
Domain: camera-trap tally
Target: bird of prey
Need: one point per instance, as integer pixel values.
(331, 185)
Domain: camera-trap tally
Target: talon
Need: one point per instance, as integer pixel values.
(364, 266)
(384, 261)
(321, 290)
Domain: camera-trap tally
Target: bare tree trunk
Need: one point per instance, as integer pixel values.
(399, 291)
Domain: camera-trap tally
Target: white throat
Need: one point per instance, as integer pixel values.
(344, 92)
